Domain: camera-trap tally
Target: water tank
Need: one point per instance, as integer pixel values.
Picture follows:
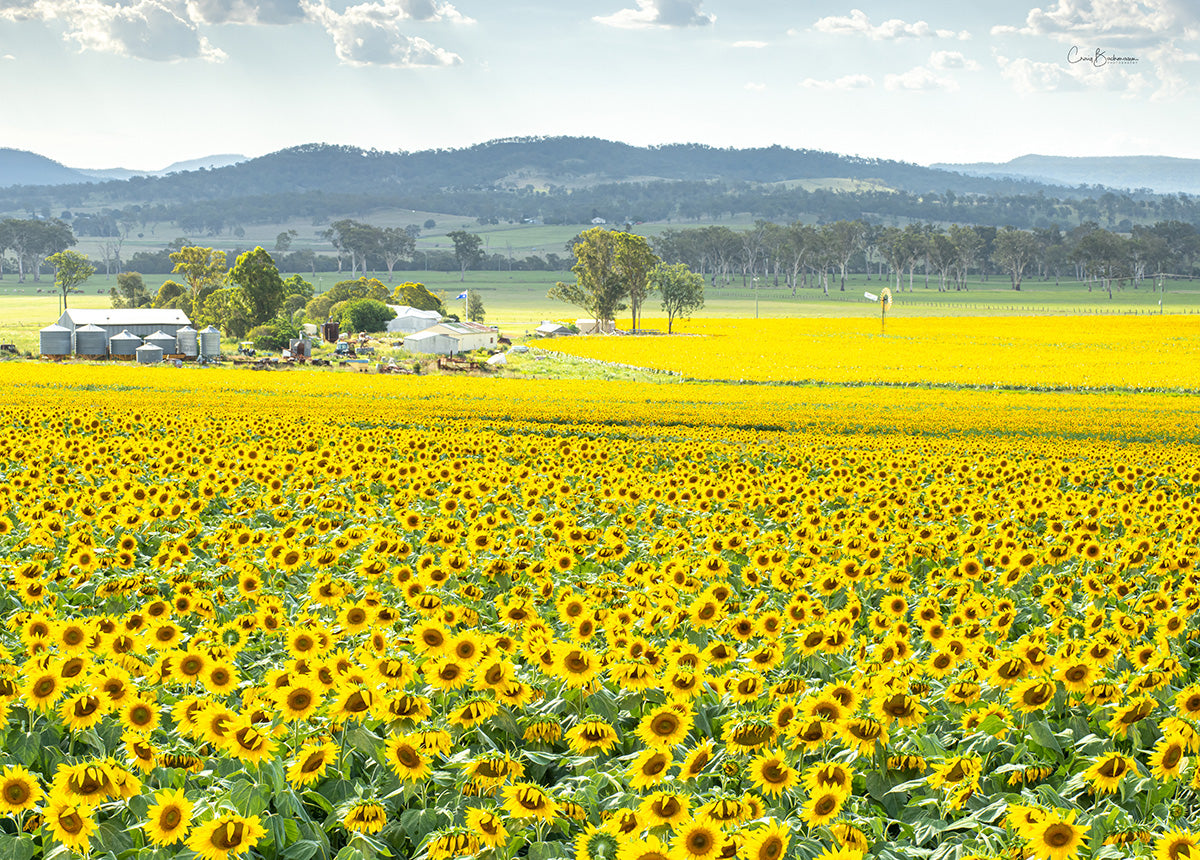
(124, 344)
(149, 353)
(210, 342)
(91, 340)
(187, 341)
(55, 340)
(164, 341)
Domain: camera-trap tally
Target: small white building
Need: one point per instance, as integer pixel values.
(595, 326)
(452, 338)
(139, 321)
(410, 320)
(549, 328)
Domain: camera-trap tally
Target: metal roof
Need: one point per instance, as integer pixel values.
(410, 311)
(124, 317)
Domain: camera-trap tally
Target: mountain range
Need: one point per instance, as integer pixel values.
(19, 167)
(1161, 174)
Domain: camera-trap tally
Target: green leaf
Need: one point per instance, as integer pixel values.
(301, 850)
(18, 848)
(1043, 736)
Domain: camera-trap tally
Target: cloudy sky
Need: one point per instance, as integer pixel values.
(142, 83)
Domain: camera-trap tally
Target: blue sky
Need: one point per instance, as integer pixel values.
(142, 83)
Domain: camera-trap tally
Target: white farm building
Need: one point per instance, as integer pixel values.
(410, 320)
(452, 338)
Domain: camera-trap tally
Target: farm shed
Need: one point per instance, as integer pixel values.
(595, 326)
(451, 338)
(138, 321)
(552, 329)
(410, 320)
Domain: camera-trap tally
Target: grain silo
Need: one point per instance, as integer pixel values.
(149, 353)
(164, 341)
(91, 340)
(210, 342)
(55, 340)
(124, 344)
(187, 341)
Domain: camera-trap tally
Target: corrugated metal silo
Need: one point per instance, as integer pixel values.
(210, 342)
(163, 341)
(124, 344)
(91, 340)
(187, 341)
(55, 340)
(149, 353)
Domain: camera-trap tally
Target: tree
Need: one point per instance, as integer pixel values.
(599, 287)
(70, 270)
(467, 250)
(395, 245)
(283, 242)
(363, 288)
(418, 296)
(203, 269)
(1013, 250)
(475, 312)
(261, 285)
(682, 290)
(130, 291)
(366, 315)
(228, 310)
(173, 294)
(355, 238)
(634, 261)
(845, 240)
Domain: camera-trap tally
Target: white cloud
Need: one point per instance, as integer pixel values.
(756, 87)
(1030, 76)
(245, 11)
(658, 13)
(848, 82)
(943, 60)
(857, 23)
(749, 44)
(1150, 30)
(8, 57)
(146, 29)
(369, 35)
(918, 78)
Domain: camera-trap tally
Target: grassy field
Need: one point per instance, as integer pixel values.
(516, 301)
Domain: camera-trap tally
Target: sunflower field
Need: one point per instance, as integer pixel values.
(316, 616)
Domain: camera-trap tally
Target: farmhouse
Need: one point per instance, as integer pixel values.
(552, 329)
(595, 326)
(452, 338)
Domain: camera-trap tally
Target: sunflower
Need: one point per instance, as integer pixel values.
(1106, 772)
(592, 734)
(768, 842)
(311, 762)
(43, 689)
(70, 823)
(405, 758)
(226, 835)
(697, 840)
(526, 800)
(665, 727)
(82, 711)
(771, 774)
(247, 741)
(898, 709)
(299, 701)
(1032, 694)
(365, 817)
(863, 734)
(488, 826)
(88, 782)
(1168, 758)
(168, 819)
(19, 789)
(1177, 845)
(1056, 837)
(822, 807)
(664, 807)
(832, 776)
(650, 848)
(697, 759)
(649, 768)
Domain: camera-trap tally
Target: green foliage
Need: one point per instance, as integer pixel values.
(682, 290)
(475, 312)
(417, 296)
(130, 292)
(261, 285)
(173, 294)
(467, 249)
(362, 288)
(71, 269)
(273, 335)
(365, 315)
(229, 311)
(203, 269)
(297, 286)
(317, 310)
(607, 264)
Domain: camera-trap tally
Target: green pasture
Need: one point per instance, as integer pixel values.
(516, 300)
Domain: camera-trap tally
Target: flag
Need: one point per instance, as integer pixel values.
(461, 295)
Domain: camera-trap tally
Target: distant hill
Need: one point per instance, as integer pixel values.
(18, 167)
(1160, 173)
